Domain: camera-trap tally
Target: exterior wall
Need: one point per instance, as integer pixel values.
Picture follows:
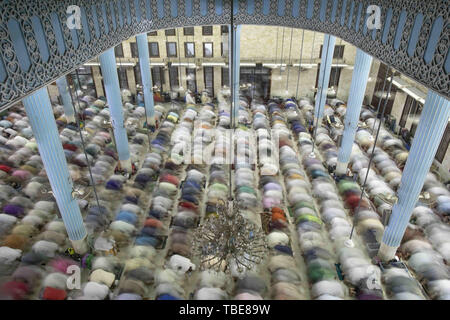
(259, 44)
(306, 82)
(267, 44)
(180, 39)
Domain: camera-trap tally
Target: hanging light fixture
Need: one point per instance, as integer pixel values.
(80, 130)
(229, 240)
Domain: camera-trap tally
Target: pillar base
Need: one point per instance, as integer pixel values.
(386, 253)
(126, 165)
(70, 118)
(319, 122)
(341, 168)
(150, 121)
(349, 243)
(80, 246)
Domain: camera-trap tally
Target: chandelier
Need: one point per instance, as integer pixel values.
(228, 240)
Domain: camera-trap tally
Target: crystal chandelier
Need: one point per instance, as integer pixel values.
(228, 239)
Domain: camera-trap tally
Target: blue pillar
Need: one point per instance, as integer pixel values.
(147, 84)
(324, 76)
(355, 99)
(42, 121)
(430, 130)
(112, 88)
(236, 58)
(63, 89)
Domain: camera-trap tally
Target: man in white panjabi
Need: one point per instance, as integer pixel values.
(190, 97)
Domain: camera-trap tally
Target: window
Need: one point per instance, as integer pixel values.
(335, 75)
(207, 49)
(86, 79)
(224, 29)
(153, 49)
(225, 77)
(171, 48)
(209, 79)
(123, 79)
(134, 50)
(409, 103)
(137, 74)
(260, 79)
(169, 32)
(118, 50)
(338, 51)
(443, 146)
(417, 110)
(158, 76)
(412, 108)
(153, 33)
(173, 78)
(207, 30)
(189, 49)
(188, 31)
(191, 81)
(224, 49)
(103, 87)
(381, 88)
(413, 128)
